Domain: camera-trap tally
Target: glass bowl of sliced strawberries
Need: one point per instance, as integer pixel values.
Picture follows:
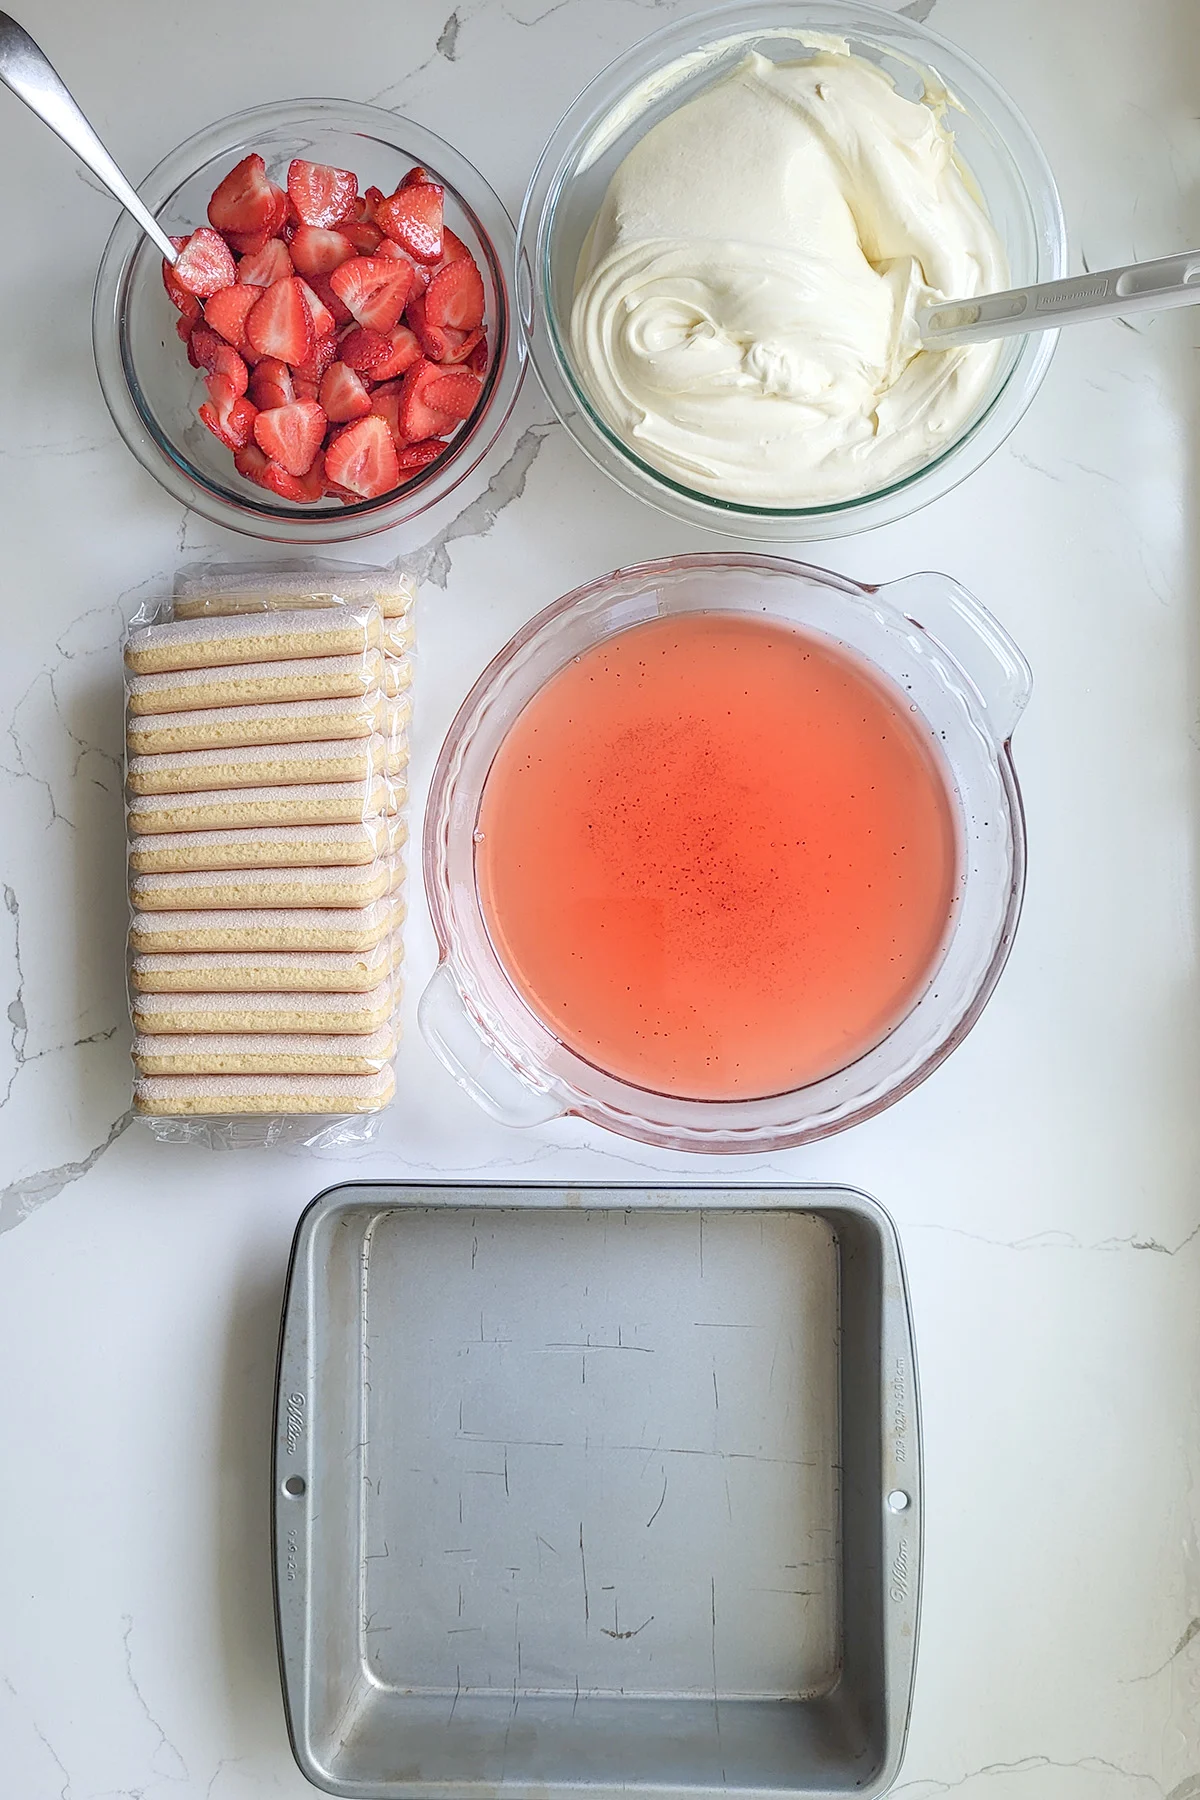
(335, 348)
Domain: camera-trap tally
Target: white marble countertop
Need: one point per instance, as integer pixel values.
(1044, 1180)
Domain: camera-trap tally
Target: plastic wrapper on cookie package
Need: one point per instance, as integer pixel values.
(266, 752)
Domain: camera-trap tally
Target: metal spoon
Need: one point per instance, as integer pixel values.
(28, 72)
(1108, 293)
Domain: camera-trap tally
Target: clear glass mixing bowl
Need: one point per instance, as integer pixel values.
(967, 682)
(152, 390)
(569, 183)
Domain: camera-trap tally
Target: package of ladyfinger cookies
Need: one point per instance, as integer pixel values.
(266, 749)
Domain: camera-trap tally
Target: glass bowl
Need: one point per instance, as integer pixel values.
(967, 682)
(672, 66)
(152, 390)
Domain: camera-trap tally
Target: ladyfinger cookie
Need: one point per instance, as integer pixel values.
(397, 675)
(224, 809)
(278, 722)
(257, 765)
(267, 847)
(287, 928)
(399, 635)
(211, 1096)
(315, 1015)
(228, 890)
(306, 978)
(255, 684)
(217, 642)
(214, 591)
(264, 1053)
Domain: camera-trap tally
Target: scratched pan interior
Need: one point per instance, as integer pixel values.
(598, 1489)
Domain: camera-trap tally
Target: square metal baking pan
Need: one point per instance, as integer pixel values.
(597, 1490)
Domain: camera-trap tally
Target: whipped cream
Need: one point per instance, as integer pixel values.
(746, 298)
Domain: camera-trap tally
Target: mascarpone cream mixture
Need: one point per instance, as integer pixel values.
(745, 304)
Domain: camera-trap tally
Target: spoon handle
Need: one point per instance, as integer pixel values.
(26, 70)
(1105, 294)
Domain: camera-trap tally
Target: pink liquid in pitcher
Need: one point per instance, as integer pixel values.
(718, 856)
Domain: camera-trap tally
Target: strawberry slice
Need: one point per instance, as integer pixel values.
(178, 295)
(363, 350)
(462, 352)
(453, 248)
(228, 311)
(412, 218)
(271, 384)
(203, 346)
(418, 417)
(454, 297)
(343, 394)
(362, 457)
(477, 360)
(183, 326)
(306, 488)
(405, 352)
(321, 195)
(371, 200)
(250, 462)
(281, 324)
(262, 267)
(438, 342)
(385, 403)
(340, 314)
(322, 318)
(419, 456)
(205, 264)
(325, 350)
(318, 252)
(365, 236)
(228, 366)
(305, 388)
(229, 418)
(453, 391)
(375, 288)
(291, 435)
(415, 175)
(246, 201)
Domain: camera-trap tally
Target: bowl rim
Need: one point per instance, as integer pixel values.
(1021, 380)
(279, 520)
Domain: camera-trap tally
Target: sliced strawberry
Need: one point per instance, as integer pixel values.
(385, 404)
(183, 326)
(228, 366)
(387, 248)
(228, 418)
(317, 252)
(203, 346)
(338, 312)
(478, 358)
(291, 435)
(405, 352)
(322, 318)
(463, 352)
(375, 288)
(343, 394)
(364, 235)
(453, 248)
(305, 388)
(371, 200)
(363, 350)
(263, 267)
(228, 311)
(418, 417)
(271, 384)
(307, 488)
(455, 296)
(454, 391)
(362, 457)
(178, 295)
(412, 218)
(320, 194)
(281, 324)
(245, 201)
(250, 462)
(205, 265)
(415, 175)
(341, 493)
(438, 342)
(419, 456)
(325, 350)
